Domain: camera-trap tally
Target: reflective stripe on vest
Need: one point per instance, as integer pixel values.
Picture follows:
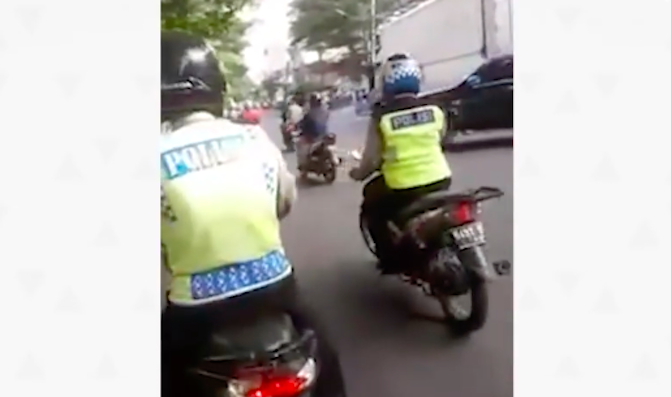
(412, 149)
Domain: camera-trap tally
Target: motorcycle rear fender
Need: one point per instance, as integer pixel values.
(474, 259)
(272, 338)
(265, 333)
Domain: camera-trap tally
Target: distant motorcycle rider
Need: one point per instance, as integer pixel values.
(224, 190)
(295, 111)
(291, 117)
(404, 143)
(313, 127)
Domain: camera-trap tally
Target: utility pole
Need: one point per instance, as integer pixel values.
(369, 37)
(372, 42)
(373, 30)
(510, 21)
(483, 21)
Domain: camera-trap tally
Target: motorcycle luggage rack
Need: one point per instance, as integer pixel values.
(221, 367)
(261, 357)
(435, 200)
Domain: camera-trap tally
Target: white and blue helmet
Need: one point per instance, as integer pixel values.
(401, 74)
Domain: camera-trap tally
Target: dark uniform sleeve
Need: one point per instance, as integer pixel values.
(371, 159)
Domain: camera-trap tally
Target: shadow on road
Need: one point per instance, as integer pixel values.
(396, 302)
(310, 182)
(385, 307)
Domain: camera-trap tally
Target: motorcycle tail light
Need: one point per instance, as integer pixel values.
(462, 213)
(274, 382)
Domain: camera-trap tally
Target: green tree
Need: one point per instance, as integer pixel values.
(326, 24)
(243, 88)
(320, 25)
(271, 85)
(208, 18)
(219, 22)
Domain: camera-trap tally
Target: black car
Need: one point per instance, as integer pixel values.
(483, 100)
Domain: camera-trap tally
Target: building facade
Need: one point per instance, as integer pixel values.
(449, 38)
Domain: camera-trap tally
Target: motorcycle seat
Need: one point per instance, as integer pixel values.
(430, 202)
(262, 335)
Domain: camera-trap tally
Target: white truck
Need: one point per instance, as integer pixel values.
(447, 36)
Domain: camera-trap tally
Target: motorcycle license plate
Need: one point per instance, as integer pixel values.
(469, 235)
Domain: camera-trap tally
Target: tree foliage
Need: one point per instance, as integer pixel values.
(271, 85)
(219, 22)
(208, 18)
(326, 24)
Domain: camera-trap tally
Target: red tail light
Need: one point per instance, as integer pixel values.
(462, 213)
(288, 386)
(272, 383)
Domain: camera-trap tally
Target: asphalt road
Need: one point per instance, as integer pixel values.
(387, 332)
(390, 342)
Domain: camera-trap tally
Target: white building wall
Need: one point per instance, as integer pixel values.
(446, 36)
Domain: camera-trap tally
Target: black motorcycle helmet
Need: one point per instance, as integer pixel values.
(299, 98)
(399, 56)
(191, 79)
(314, 100)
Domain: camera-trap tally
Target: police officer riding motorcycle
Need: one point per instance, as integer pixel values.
(224, 189)
(404, 144)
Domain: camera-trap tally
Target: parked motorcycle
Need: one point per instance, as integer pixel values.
(441, 240)
(267, 358)
(323, 159)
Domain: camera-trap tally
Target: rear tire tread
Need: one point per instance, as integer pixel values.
(331, 175)
(365, 234)
(479, 311)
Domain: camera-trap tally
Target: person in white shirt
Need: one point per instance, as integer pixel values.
(296, 112)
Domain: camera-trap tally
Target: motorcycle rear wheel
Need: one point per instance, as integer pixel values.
(464, 322)
(365, 234)
(330, 175)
